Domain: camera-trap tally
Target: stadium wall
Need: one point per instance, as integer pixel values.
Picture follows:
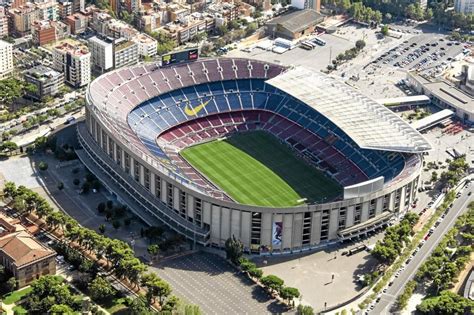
(156, 197)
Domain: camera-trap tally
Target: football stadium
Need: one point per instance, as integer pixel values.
(283, 158)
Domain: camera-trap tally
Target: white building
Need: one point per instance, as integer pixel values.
(147, 45)
(102, 53)
(464, 6)
(306, 4)
(125, 53)
(74, 62)
(6, 59)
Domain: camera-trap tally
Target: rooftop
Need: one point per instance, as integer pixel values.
(75, 50)
(298, 20)
(123, 44)
(42, 73)
(451, 94)
(369, 124)
(19, 245)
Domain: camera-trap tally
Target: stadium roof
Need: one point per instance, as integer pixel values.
(369, 124)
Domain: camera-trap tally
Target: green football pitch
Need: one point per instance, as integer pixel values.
(255, 168)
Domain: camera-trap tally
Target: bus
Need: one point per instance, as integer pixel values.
(307, 45)
(319, 41)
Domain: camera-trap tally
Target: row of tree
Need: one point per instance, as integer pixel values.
(234, 251)
(457, 168)
(119, 255)
(450, 256)
(395, 239)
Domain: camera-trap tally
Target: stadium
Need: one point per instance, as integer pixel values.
(283, 158)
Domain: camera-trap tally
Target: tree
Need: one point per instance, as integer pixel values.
(165, 42)
(100, 289)
(43, 166)
(446, 303)
(46, 292)
(156, 287)
(153, 250)
(255, 273)
(102, 228)
(434, 176)
(76, 181)
(139, 306)
(110, 204)
(11, 284)
(384, 30)
(289, 293)
(116, 224)
(60, 185)
(234, 249)
(304, 310)
(360, 44)
(101, 207)
(60, 309)
(8, 146)
(273, 283)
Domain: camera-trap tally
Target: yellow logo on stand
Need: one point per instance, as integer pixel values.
(194, 111)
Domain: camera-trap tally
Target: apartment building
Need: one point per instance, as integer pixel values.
(43, 32)
(3, 23)
(6, 59)
(48, 82)
(147, 45)
(21, 18)
(125, 53)
(102, 53)
(74, 62)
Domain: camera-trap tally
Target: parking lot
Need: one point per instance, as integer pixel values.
(210, 282)
(422, 53)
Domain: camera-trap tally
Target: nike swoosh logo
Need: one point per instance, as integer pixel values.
(194, 111)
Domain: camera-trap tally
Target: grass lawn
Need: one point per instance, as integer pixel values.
(255, 168)
(116, 306)
(15, 296)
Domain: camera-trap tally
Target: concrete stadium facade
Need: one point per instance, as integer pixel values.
(158, 197)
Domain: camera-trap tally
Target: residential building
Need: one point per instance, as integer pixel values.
(227, 11)
(100, 20)
(6, 59)
(78, 6)
(464, 6)
(307, 4)
(102, 53)
(77, 22)
(132, 6)
(114, 5)
(62, 29)
(17, 3)
(265, 5)
(193, 25)
(64, 9)
(294, 24)
(22, 255)
(47, 10)
(3, 23)
(150, 22)
(147, 45)
(21, 19)
(43, 32)
(74, 62)
(47, 81)
(125, 53)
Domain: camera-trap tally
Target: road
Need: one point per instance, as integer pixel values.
(388, 298)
